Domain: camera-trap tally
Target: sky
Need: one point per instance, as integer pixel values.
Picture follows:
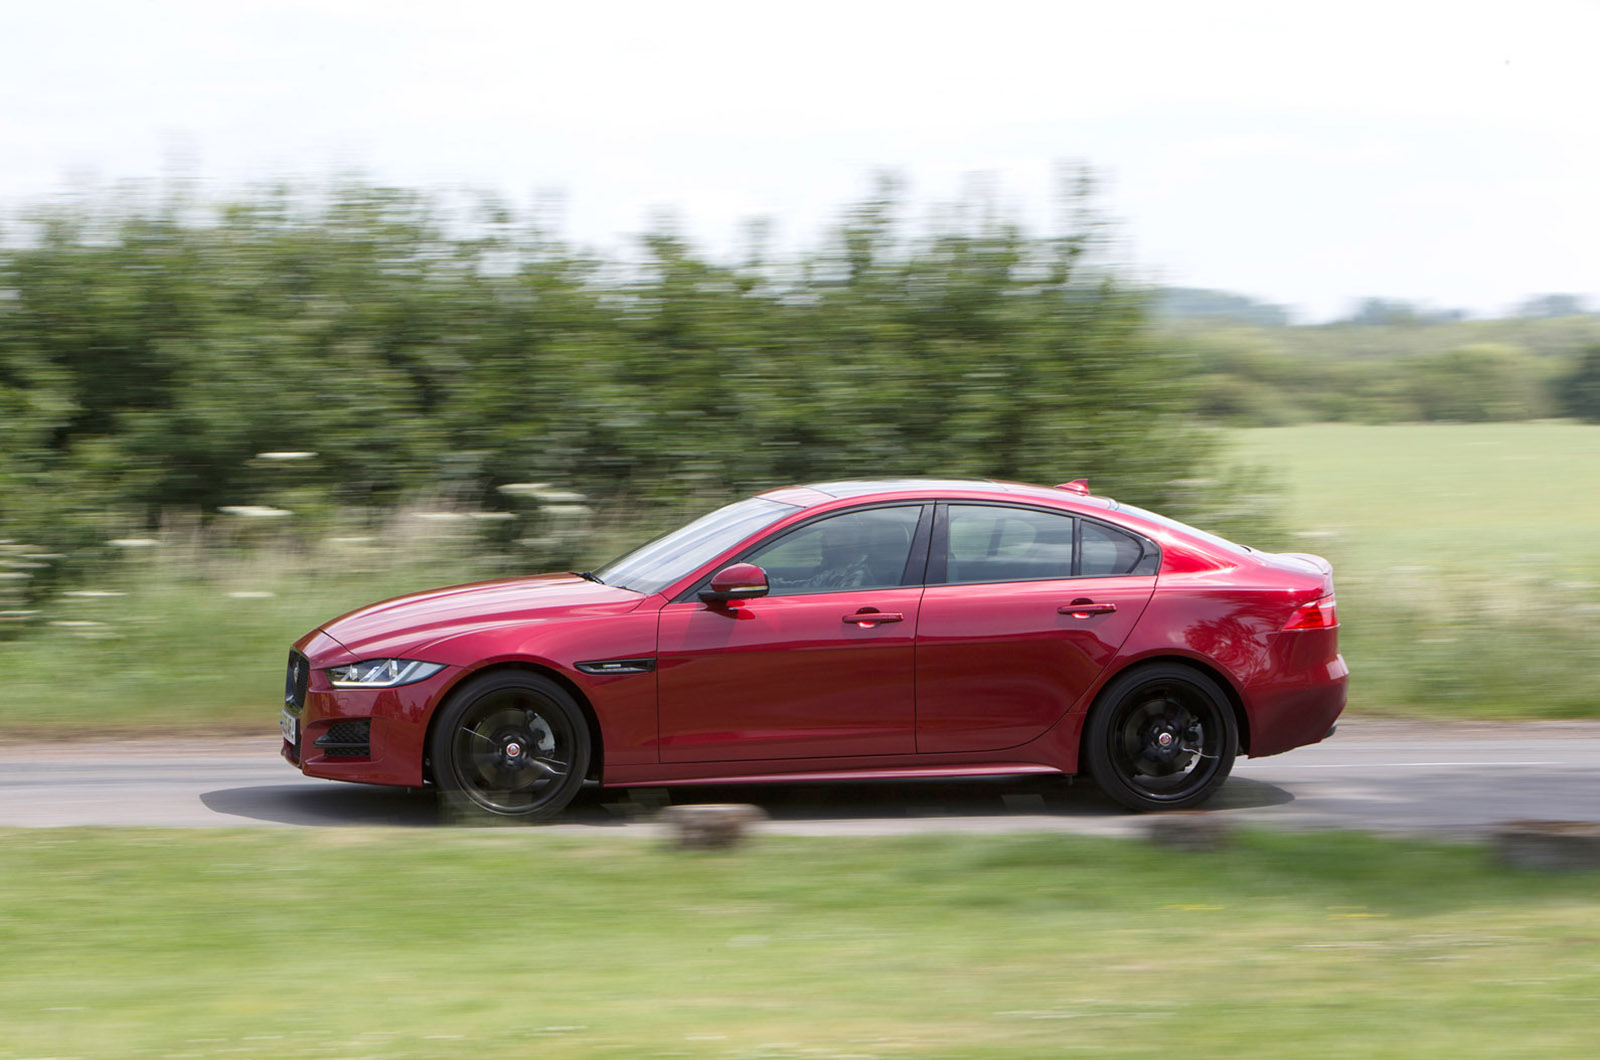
(1305, 154)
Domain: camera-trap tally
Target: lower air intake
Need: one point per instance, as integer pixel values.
(347, 739)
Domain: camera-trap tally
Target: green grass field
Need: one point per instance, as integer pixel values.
(348, 943)
(1514, 500)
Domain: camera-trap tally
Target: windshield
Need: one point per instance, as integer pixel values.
(651, 568)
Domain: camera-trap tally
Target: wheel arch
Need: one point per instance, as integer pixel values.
(596, 741)
(1241, 717)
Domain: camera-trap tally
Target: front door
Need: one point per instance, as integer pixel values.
(821, 667)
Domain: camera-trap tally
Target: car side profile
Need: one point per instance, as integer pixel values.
(850, 630)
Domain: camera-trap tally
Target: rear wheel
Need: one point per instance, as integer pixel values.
(510, 745)
(1162, 737)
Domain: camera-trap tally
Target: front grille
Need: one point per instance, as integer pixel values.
(351, 738)
(295, 681)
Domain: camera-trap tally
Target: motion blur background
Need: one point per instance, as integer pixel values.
(306, 304)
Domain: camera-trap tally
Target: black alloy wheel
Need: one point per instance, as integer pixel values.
(510, 744)
(1161, 737)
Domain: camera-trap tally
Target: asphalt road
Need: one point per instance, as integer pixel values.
(1442, 780)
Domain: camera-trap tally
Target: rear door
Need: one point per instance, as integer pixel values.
(1029, 608)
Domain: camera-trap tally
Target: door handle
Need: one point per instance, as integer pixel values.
(1085, 608)
(873, 618)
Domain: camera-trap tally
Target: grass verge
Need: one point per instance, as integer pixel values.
(514, 942)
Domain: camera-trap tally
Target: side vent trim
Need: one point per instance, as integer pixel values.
(605, 667)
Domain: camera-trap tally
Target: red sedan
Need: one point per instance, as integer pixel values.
(839, 631)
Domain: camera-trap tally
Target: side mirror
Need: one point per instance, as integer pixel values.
(741, 581)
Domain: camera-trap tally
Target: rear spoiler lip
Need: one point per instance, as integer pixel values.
(1321, 565)
(1308, 562)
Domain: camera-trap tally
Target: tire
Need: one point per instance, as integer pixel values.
(1123, 743)
(511, 745)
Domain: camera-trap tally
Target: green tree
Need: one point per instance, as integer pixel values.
(151, 351)
(1476, 384)
(1580, 389)
(1552, 305)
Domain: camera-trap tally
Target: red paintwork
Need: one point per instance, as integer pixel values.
(969, 680)
(787, 677)
(996, 669)
(739, 581)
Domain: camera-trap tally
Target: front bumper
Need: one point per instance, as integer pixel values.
(370, 736)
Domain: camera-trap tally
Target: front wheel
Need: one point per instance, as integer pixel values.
(1161, 737)
(511, 745)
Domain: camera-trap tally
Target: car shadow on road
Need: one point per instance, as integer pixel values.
(320, 803)
(325, 803)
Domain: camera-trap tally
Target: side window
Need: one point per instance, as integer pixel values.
(856, 550)
(1107, 551)
(993, 544)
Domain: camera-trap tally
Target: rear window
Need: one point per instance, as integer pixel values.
(1220, 542)
(1007, 544)
(985, 543)
(1107, 551)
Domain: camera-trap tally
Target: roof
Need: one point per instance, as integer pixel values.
(817, 492)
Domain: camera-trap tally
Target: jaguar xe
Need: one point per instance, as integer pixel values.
(847, 630)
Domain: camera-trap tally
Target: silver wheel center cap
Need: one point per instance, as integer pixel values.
(1165, 739)
(513, 749)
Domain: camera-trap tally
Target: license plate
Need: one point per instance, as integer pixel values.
(291, 728)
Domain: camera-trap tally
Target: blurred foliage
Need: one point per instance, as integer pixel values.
(1196, 303)
(1475, 384)
(1554, 305)
(1385, 366)
(1580, 388)
(318, 353)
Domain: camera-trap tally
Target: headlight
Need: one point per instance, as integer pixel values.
(381, 673)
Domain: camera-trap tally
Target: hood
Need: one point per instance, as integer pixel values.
(409, 622)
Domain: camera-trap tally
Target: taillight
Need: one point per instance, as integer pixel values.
(1319, 614)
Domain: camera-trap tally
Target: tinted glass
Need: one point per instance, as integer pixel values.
(856, 550)
(1108, 551)
(1007, 544)
(1186, 528)
(655, 566)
